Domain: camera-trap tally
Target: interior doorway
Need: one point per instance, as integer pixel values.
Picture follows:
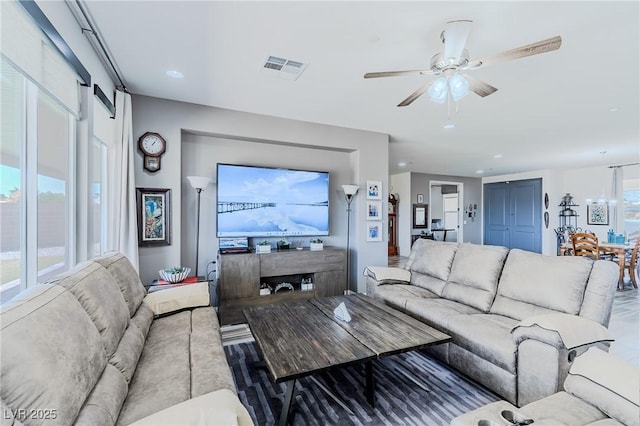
(445, 212)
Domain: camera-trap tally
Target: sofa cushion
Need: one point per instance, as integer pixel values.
(209, 368)
(216, 408)
(437, 312)
(106, 398)
(100, 297)
(474, 275)
(431, 258)
(126, 357)
(487, 336)
(608, 383)
(52, 354)
(162, 378)
(562, 409)
(600, 291)
(126, 277)
(397, 295)
(542, 284)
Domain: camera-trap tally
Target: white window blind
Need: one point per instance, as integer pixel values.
(31, 52)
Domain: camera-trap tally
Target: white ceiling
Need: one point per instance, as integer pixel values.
(551, 110)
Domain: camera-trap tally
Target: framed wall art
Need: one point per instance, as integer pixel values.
(597, 214)
(374, 190)
(374, 231)
(374, 210)
(420, 215)
(154, 216)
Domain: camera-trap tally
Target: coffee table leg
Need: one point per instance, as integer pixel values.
(286, 402)
(370, 389)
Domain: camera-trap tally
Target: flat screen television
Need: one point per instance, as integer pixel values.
(271, 202)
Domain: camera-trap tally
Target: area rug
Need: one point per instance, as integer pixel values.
(399, 401)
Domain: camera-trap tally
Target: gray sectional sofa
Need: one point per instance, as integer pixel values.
(517, 319)
(600, 390)
(92, 348)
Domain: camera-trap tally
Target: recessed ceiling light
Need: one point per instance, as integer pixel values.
(614, 109)
(497, 156)
(449, 126)
(402, 164)
(175, 74)
(479, 171)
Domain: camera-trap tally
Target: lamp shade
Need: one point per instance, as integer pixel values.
(458, 86)
(350, 189)
(438, 90)
(199, 182)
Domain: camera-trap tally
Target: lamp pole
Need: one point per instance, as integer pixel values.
(198, 190)
(199, 184)
(349, 192)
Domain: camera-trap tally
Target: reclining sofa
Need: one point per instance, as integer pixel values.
(517, 319)
(92, 348)
(600, 390)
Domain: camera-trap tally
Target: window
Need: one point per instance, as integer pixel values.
(36, 193)
(12, 129)
(631, 199)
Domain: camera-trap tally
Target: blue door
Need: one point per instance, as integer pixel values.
(513, 214)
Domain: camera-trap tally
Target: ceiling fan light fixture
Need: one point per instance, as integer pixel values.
(459, 87)
(438, 90)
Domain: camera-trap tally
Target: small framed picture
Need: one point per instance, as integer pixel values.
(597, 214)
(374, 210)
(374, 190)
(420, 198)
(420, 215)
(374, 231)
(154, 216)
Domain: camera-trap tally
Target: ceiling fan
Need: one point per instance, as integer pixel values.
(454, 61)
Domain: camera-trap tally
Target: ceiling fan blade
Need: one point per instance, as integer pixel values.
(395, 73)
(480, 88)
(455, 38)
(542, 46)
(415, 95)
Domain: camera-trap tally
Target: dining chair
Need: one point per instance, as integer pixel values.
(631, 263)
(585, 244)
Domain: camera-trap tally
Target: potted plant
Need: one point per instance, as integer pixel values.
(263, 247)
(315, 244)
(283, 244)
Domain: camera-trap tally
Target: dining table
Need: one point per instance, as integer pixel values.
(612, 249)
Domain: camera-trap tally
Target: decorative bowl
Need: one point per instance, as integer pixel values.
(174, 275)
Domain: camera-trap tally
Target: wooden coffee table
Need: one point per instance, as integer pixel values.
(300, 339)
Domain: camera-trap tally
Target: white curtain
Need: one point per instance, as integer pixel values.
(122, 183)
(616, 194)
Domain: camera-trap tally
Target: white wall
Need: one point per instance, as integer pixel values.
(581, 184)
(366, 154)
(200, 154)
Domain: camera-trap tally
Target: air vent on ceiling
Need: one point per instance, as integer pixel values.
(283, 68)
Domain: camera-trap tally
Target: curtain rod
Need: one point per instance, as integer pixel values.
(624, 165)
(77, 8)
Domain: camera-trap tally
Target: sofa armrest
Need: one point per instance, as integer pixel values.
(546, 347)
(571, 331)
(221, 407)
(177, 298)
(380, 275)
(608, 383)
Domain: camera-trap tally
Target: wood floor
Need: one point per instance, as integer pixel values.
(624, 323)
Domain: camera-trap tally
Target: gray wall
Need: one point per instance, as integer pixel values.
(198, 137)
(411, 184)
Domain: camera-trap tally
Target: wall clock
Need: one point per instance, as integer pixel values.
(152, 145)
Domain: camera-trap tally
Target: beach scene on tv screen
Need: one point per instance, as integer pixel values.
(256, 201)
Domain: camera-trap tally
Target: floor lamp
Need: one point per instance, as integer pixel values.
(349, 192)
(199, 183)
